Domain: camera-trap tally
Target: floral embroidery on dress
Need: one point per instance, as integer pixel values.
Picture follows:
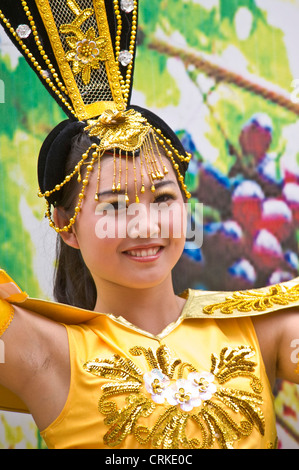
(177, 394)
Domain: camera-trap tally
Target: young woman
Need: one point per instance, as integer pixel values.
(133, 365)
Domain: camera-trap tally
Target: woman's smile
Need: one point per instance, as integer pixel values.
(144, 254)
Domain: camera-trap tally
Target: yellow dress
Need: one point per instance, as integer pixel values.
(200, 383)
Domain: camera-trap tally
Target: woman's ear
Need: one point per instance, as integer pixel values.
(61, 219)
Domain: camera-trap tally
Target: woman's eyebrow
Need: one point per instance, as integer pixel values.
(158, 185)
(164, 183)
(111, 193)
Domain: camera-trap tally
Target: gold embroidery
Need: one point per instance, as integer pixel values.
(86, 51)
(84, 111)
(179, 395)
(251, 300)
(119, 129)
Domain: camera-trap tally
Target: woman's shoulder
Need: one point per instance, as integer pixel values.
(11, 293)
(253, 302)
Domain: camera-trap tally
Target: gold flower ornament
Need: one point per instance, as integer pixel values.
(86, 51)
(125, 130)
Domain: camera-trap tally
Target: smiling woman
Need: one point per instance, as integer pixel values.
(87, 204)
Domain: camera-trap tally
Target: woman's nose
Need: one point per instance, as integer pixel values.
(142, 221)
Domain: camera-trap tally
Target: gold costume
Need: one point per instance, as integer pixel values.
(200, 383)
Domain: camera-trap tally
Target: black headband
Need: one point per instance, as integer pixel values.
(57, 146)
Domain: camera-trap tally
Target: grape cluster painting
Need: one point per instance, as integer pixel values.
(251, 217)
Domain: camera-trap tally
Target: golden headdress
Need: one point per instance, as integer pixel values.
(83, 52)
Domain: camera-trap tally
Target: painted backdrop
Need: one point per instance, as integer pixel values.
(225, 75)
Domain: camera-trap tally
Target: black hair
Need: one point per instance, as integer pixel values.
(73, 283)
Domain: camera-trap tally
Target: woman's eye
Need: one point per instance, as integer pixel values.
(118, 205)
(164, 198)
(110, 207)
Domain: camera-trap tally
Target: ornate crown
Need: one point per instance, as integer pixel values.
(83, 52)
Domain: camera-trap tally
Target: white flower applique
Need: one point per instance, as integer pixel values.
(187, 393)
(204, 383)
(183, 393)
(156, 384)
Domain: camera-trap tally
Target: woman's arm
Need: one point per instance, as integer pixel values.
(278, 335)
(36, 364)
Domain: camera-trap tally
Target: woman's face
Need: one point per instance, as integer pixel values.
(133, 245)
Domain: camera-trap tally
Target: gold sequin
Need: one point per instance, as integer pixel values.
(224, 417)
(259, 301)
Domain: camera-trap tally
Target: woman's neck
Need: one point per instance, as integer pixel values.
(150, 309)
